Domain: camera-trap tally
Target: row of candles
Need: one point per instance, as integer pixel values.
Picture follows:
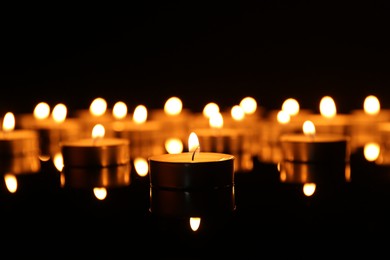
(182, 152)
(98, 137)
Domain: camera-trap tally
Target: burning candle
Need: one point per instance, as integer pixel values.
(96, 151)
(312, 147)
(18, 142)
(192, 170)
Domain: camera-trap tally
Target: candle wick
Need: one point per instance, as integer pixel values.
(193, 154)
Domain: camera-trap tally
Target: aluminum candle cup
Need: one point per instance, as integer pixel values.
(317, 148)
(101, 152)
(18, 143)
(192, 171)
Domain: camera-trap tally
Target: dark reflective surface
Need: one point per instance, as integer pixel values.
(263, 210)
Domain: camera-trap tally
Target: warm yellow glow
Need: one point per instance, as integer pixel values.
(283, 117)
(328, 107)
(41, 111)
(371, 105)
(174, 145)
(249, 105)
(291, 106)
(308, 128)
(11, 182)
(59, 113)
(58, 161)
(9, 122)
(309, 189)
(100, 193)
(141, 166)
(98, 131)
(140, 114)
(237, 113)
(173, 106)
(194, 223)
(193, 142)
(119, 110)
(210, 109)
(371, 151)
(216, 121)
(98, 106)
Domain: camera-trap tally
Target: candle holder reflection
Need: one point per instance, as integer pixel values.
(91, 177)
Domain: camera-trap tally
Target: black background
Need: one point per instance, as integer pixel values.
(145, 53)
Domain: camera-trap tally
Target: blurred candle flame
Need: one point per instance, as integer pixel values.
(371, 105)
(58, 161)
(59, 113)
(291, 106)
(216, 120)
(283, 117)
(119, 111)
(173, 145)
(249, 105)
(237, 113)
(140, 114)
(8, 122)
(173, 106)
(309, 189)
(98, 106)
(194, 223)
(371, 151)
(141, 166)
(328, 107)
(309, 128)
(98, 131)
(100, 193)
(41, 111)
(11, 182)
(210, 109)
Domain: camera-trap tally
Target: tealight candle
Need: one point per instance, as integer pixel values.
(192, 170)
(18, 142)
(95, 151)
(180, 171)
(311, 147)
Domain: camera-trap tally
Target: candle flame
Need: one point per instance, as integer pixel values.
(41, 111)
(371, 151)
(193, 142)
(100, 193)
(98, 131)
(98, 106)
(119, 111)
(210, 109)
(140, 114)
(11, 182)
(328, 107)
(141, 166)
(309, 128)
(237, 113)
(59, 113)
(283, 117)
(249, 105)
(309, 189)
(58, 161)
(173, 106)
(9, 122)
(291, 106)
(174, 145)
(195, 223)
(371, 105)
(216, 120)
